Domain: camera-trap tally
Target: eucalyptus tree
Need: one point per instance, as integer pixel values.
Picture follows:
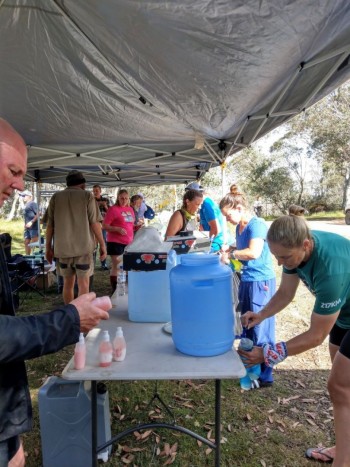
(328, 123)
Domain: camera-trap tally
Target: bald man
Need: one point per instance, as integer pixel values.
(27, 337)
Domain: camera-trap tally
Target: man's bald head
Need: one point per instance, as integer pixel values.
(8, 135)
(13, 160)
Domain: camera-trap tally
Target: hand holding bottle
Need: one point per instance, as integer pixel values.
(90, 315)
(251, 357)
(250, 380)
(103, 302)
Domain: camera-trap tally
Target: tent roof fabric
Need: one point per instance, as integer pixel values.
(126, 90)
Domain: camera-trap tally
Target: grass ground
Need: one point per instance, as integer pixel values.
(267, 427)
(320, 216)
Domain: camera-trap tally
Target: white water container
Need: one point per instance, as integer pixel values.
(149, 294)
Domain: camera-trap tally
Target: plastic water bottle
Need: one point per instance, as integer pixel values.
(250, 380)
(124, 277)
(103, 302)
(121, 279)
(114, 299)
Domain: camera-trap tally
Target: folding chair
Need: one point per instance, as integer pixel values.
(24, 273)
(23, 270)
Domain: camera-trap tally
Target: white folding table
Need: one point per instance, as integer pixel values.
(151, 355)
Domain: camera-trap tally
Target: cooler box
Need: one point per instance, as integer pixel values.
(182, 243)
(45, 280)
(144, 261)
(65, 422)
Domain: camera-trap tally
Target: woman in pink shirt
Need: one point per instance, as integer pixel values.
(119, 224)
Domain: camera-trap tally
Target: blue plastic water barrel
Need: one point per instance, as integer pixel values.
(201, 305)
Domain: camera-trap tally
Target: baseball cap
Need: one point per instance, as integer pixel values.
(75, 178)
(26, 193)
(194, 186)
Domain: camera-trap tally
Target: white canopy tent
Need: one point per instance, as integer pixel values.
(153, 92)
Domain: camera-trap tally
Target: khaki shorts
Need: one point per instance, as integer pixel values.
(82, 266)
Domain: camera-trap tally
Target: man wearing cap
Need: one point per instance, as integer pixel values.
(73, 227)
(31, 220)
(211, 218)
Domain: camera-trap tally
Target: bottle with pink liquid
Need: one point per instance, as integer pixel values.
(105, 350)
(80, 353)
(119, 345)
(103, 302)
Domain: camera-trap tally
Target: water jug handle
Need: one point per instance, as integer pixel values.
(57, 388)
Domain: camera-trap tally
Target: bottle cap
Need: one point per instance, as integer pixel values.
(119, 331)
(105, 336)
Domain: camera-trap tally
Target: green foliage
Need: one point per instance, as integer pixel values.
(161, 197)
(16, 229)
(275, 185)
(327, 123)
(259, 175)
(213, 179)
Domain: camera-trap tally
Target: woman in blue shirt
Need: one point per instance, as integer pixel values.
(258, 281)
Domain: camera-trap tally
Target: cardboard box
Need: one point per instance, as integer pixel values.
(144, 261)
(48, 279)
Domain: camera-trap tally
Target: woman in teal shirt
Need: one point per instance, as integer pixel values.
(322, 261)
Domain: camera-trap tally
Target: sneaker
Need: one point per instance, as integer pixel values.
(104, 268)
(265, 384)
(256, 384)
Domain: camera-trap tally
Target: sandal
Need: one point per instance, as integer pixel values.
(309, 454)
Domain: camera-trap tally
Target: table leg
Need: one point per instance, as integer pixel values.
(94, 423)
(217, 422)
(216, 446)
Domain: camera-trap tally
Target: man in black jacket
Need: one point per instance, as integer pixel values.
(27, 337)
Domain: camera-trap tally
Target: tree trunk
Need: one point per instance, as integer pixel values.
(346, 187)
(12, 212)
